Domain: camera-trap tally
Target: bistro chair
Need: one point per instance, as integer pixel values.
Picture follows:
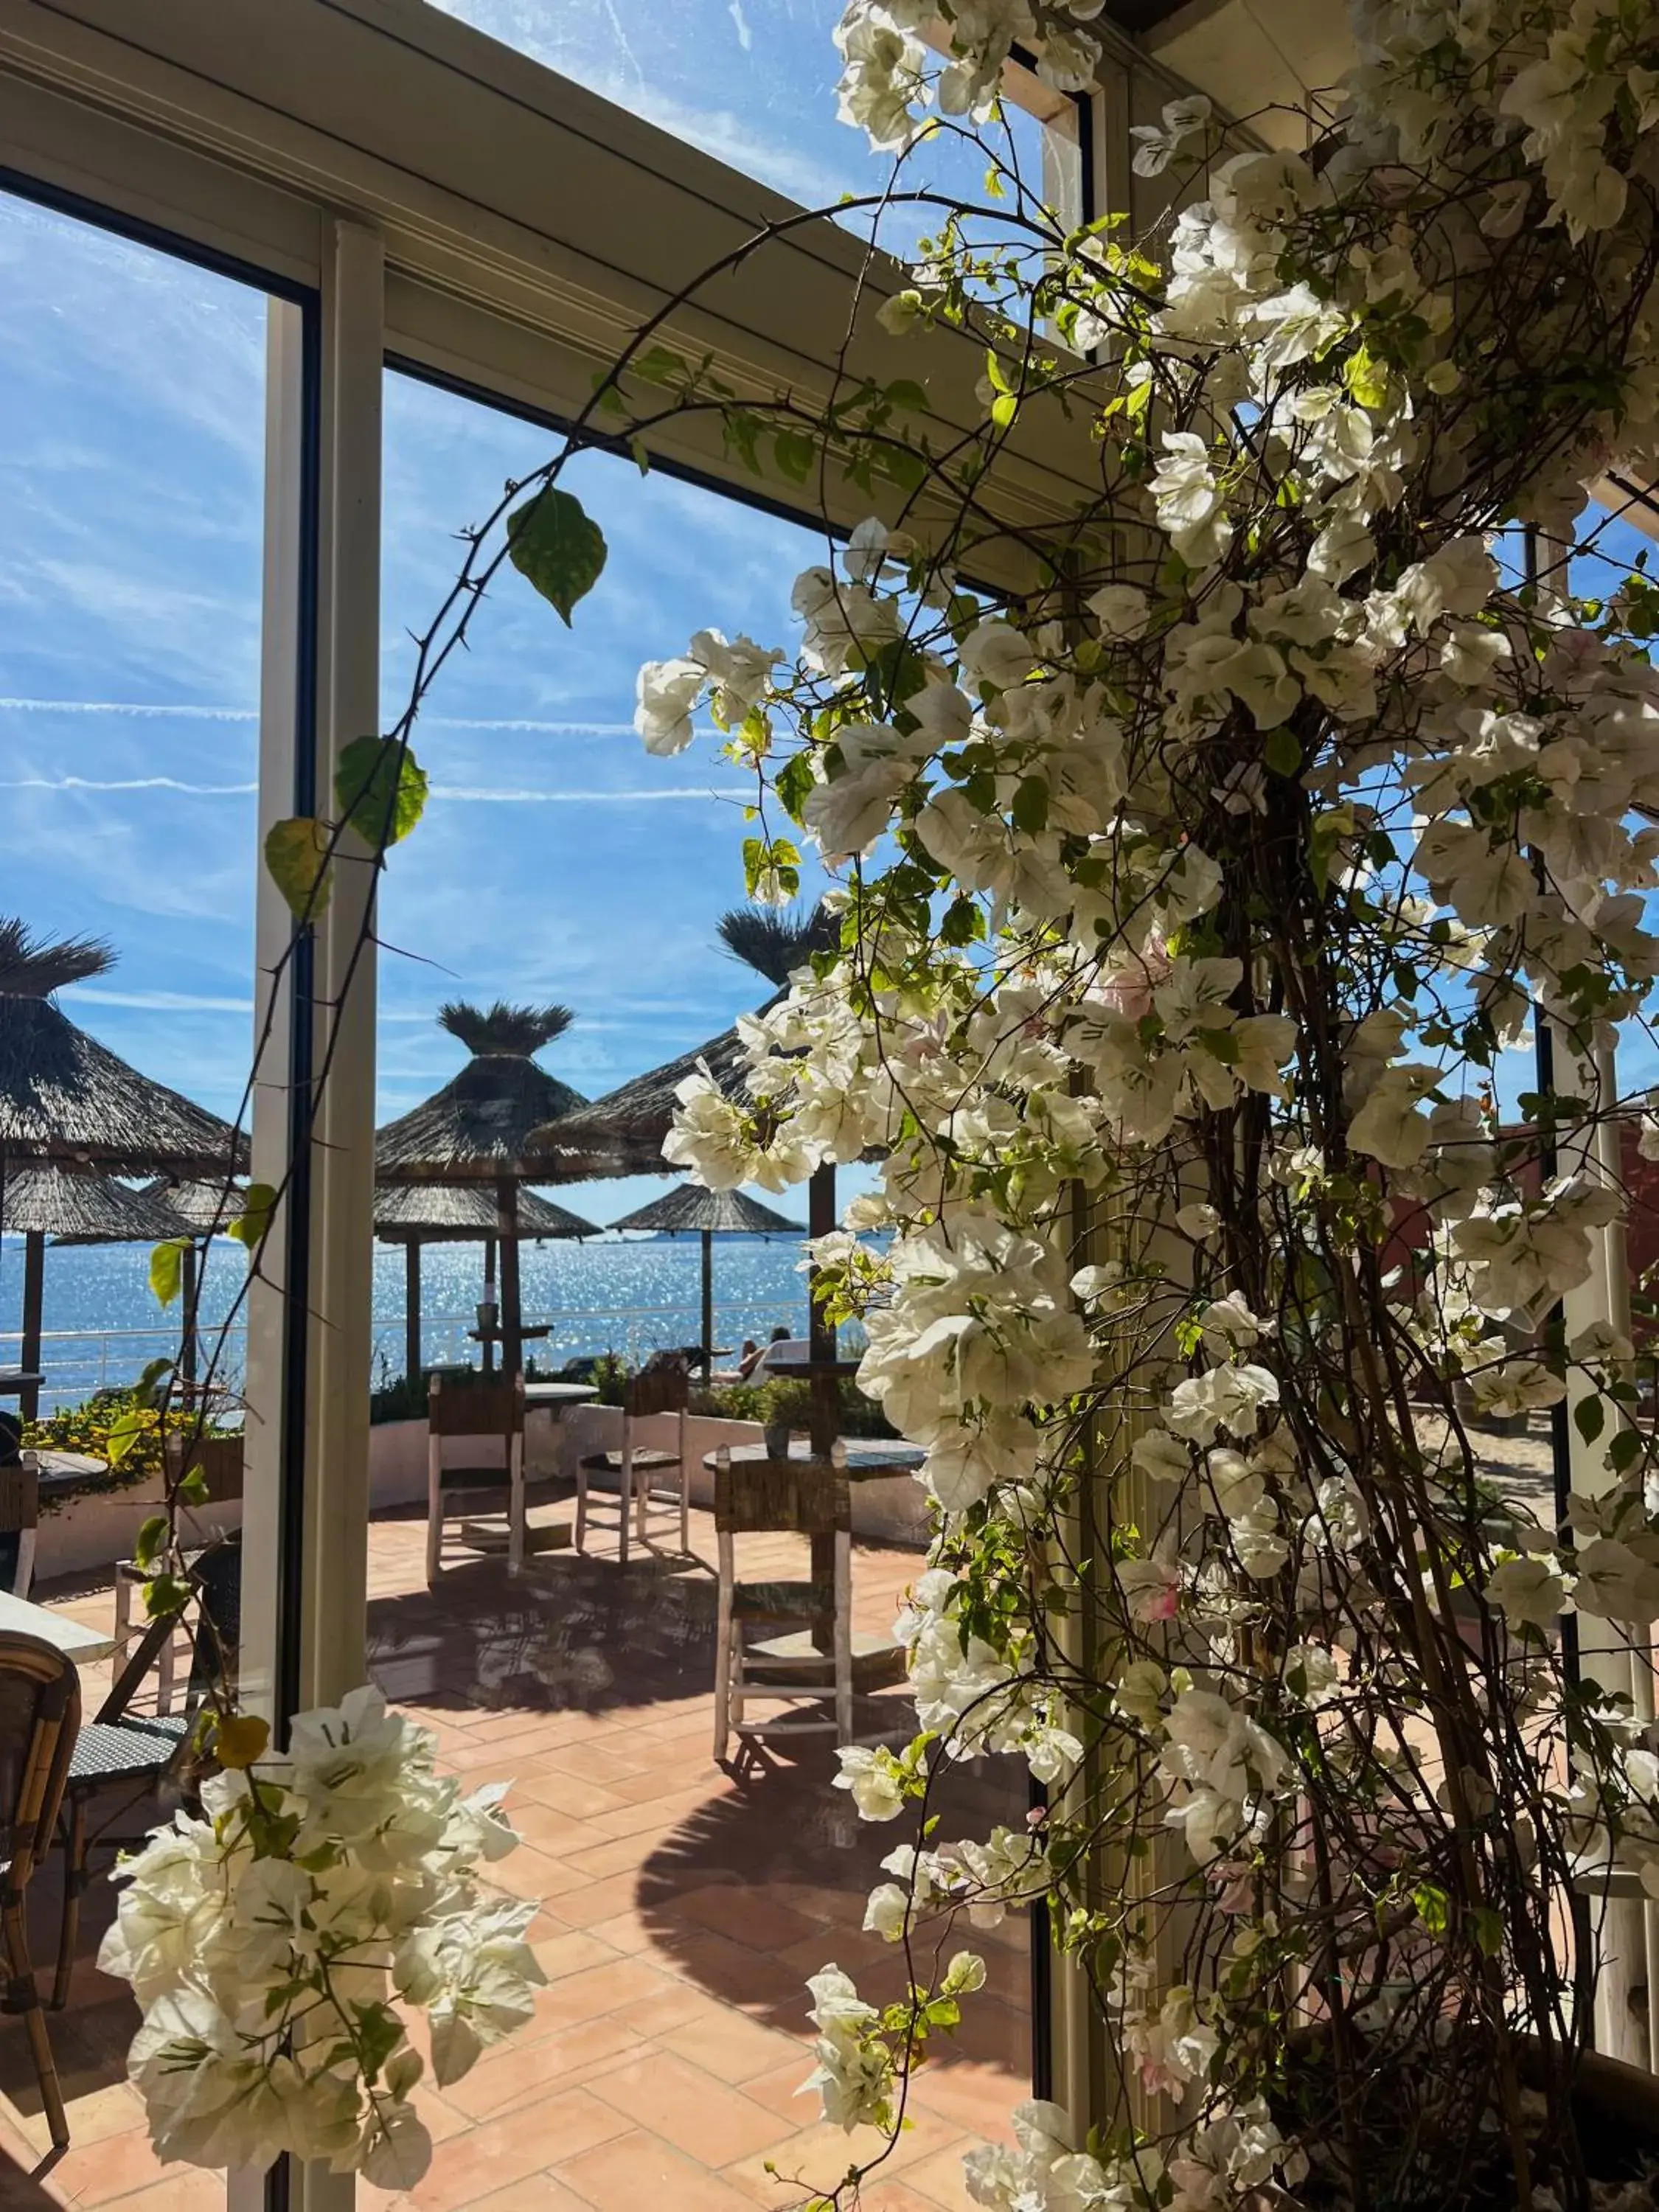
(39, 1717)
(804, 1498)
(19, 1515)
(492, 1410)
(139, 1751)
(222, 1462)
(645, 1472)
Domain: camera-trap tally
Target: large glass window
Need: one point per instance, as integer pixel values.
(132, 390)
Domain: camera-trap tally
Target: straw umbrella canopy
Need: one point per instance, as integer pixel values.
(692, 1211)
(413, 1214)
(475, 1131)
(66, 1099)
(48, 1201)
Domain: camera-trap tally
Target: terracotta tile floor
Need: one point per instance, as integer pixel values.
(681, 1908)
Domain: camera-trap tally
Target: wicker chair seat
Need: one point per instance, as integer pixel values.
(782, 1600)
(120, 1750)
(611, 1462)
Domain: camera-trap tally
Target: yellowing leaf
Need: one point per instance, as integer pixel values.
(256, 1207)
(297, 858)
(166, 1268)
(239, 1738)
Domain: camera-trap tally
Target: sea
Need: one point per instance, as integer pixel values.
(629, 1295)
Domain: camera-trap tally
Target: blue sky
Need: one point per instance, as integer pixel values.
(556, 860)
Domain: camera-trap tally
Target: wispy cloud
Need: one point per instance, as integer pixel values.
(163, 1002)
(463, 793)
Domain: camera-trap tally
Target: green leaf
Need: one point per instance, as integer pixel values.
(150, 1388)
(1624, 1450)
(1590, 1416)
(556, 548)
(1004, 408)
(794, 779)
(192, 1488)
(380, 788)
(1487, 1926)
(1432, 1907)
(962, 922)
(296, 860)
(641, 455)
(125, 1431)
(904, 392)
(166, 1268)
(166, 1593)
(1281, 751)
(151, 1540)
(794, 454)
(255, 1220)
(1031, 806)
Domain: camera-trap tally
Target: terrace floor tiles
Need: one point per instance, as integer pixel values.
(682, 1907)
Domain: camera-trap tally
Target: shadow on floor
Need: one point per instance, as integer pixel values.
(757, 1889)
(571, 1634)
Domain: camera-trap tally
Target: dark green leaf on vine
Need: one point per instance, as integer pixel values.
(380, 789)
(1590, 1416)
(556, 547)
(1281, 751)
(794, 454)
(1031, 806)
(794, 779)
(151, 1540)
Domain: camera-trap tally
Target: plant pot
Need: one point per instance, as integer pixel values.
(777, 1435)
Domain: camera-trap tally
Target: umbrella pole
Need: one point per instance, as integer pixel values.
(187, 1336)
(34, 1269)
(512, 1313)
(412, 1309)
(708, 1303)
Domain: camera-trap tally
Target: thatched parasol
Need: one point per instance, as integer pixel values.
(413, 1214)
(476, 1131)
(690, 1210)
(64, 1098)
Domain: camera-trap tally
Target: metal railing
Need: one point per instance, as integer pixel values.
(76, 1363)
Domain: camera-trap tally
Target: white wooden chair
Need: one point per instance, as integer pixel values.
(492, 1410)
(810, 1500)
(645, 1474)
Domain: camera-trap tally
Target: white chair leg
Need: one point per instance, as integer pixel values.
(435, 1510)
(123, 1608)
(723, 1672)
(166, 1670)
(25, 1562)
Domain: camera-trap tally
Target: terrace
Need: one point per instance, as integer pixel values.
(682, 1905)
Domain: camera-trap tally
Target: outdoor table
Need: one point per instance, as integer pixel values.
(18, 1617)
(14, 1380)
(558, 1394)
(61, 1473)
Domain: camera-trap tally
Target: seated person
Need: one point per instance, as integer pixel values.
(756, 1358)
(723, 1377)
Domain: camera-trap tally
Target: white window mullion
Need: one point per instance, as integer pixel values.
(310, 1327)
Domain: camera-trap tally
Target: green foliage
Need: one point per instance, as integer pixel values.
(258, 1204)
(380, 789)
(123, 1427)
(166, 1268)
(557, 548)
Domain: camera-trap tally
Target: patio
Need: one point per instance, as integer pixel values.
(681, 1911)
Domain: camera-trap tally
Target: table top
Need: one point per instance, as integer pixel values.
(495, 1336)
(62, 1470)
(869, 1459)
(15, 1379)
(559, 1394)
(75, 1640)
(795, 1353)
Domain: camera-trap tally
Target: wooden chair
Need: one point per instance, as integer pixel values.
(475, 1410)
(643, 1472)
(19, 1515)
(118, 1748)
(39, 1718)
(222, 1462)
(808, 1500)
